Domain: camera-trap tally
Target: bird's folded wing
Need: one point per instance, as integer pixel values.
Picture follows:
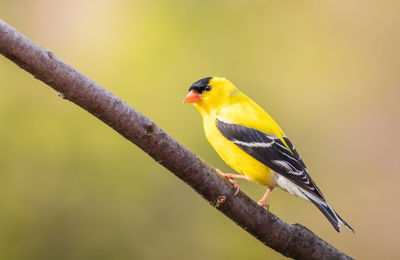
(270, 150)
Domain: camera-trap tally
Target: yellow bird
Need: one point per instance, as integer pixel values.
(253, 144)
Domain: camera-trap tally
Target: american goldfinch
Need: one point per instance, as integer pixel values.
(253, 144)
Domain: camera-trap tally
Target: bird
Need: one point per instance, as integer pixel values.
(250, 141)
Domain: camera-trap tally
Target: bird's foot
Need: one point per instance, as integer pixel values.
(230, 177)
(264, 204)
(263, 201)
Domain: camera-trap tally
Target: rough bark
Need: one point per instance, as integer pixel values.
(290, 240)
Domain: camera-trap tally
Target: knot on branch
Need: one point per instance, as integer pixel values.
(150, 127)
(61, 95)
(220, 200)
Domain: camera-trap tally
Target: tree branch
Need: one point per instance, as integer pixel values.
(290, 240)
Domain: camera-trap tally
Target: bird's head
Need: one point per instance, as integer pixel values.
(211, 92)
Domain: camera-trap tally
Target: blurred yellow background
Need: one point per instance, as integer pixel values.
(327, 71)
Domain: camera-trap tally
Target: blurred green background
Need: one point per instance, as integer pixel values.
(327, 71)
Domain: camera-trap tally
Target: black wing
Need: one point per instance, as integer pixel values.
(271, 151)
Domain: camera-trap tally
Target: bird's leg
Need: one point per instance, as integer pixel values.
(263, 201)
(230, 177)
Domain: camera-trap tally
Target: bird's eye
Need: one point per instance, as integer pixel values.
(207, 88)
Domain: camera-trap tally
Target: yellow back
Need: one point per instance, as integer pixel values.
(227, 101)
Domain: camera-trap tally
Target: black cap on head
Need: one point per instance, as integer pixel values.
(201, 85)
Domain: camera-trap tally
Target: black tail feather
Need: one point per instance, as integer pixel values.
(345, 224)
(329, 213)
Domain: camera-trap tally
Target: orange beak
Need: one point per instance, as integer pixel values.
(192, 97)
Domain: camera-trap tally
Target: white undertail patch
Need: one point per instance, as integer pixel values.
(286, 185)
